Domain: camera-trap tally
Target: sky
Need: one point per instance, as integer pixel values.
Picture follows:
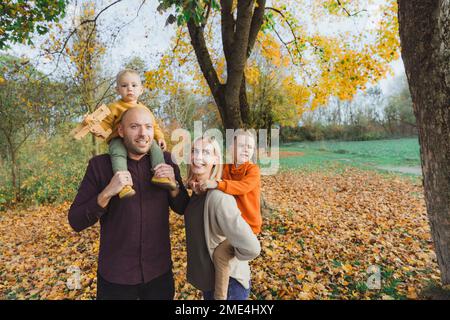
(145, 35)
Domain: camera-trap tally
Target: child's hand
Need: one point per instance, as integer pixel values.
(209, 184)
(94, 131)
(87, 119)
(195, 187)
(162, 144)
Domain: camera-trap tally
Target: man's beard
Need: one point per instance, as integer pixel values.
(134, 149)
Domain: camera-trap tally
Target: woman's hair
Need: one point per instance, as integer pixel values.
(216, 172)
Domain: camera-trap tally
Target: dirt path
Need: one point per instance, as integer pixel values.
(402, 169)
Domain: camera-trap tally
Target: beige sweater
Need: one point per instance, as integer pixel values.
(223, 220)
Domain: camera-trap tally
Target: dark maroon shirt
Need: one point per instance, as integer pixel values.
(134, 232)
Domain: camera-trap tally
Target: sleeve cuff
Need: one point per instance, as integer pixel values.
(94, 209)
(221, 185)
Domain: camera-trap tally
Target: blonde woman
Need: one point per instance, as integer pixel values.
(210, 218)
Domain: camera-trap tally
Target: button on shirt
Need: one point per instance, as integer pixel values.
(134, 232)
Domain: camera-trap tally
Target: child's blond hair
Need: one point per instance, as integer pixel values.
(251, 133)
(245, 132)
(125, 71)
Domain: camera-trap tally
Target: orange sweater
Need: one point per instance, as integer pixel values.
(244, 183)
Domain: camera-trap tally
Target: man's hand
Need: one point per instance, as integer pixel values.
(164, 170)
(118, 181)
(162, 144)
(208, 184)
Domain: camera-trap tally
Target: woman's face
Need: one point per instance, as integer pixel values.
(202, 158)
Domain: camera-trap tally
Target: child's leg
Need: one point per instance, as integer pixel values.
(118, 154)
(156, 154)
(157, 157)
(221, 258)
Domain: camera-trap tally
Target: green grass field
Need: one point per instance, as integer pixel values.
(398, 155)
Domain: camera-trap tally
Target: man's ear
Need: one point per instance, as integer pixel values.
(120, 130)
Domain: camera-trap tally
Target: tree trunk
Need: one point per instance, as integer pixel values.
(243, 103)
(425, 41)
(14, 176)
(238, 39)
(94, 146)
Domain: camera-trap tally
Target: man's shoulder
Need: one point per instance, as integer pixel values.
(102, 159)
(140, 104)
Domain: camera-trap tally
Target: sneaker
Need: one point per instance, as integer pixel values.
(164, 183)
(126, 192)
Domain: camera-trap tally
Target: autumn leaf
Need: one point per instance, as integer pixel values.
(315, 245)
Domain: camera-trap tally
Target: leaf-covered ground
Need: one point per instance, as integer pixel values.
(324, 232)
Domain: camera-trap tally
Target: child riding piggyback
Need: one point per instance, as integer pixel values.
(129, 87)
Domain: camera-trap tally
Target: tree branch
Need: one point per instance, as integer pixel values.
(347, 12)
(287, 47)
(291, 28)
(114, 36)
(238, 57)
(208, 10)
(66, 41)
(228, 24)
(257, 21)
(204, 59)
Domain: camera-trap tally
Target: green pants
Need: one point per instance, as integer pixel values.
(119, 154)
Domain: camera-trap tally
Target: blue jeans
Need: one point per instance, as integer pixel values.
(236, 291)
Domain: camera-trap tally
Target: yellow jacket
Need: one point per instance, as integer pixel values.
(117, 108)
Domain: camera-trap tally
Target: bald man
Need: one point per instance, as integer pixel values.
(134, 258)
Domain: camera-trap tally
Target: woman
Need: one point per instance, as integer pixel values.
(210, 218)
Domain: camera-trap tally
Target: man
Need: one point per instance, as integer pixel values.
(134, 256)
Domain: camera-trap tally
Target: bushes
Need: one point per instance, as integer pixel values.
(50, 170)
(315, 132)
(56, 181)
(368, 116)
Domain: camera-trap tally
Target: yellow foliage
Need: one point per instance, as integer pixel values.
(313, 66)
(271, 48)
(252, 74)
